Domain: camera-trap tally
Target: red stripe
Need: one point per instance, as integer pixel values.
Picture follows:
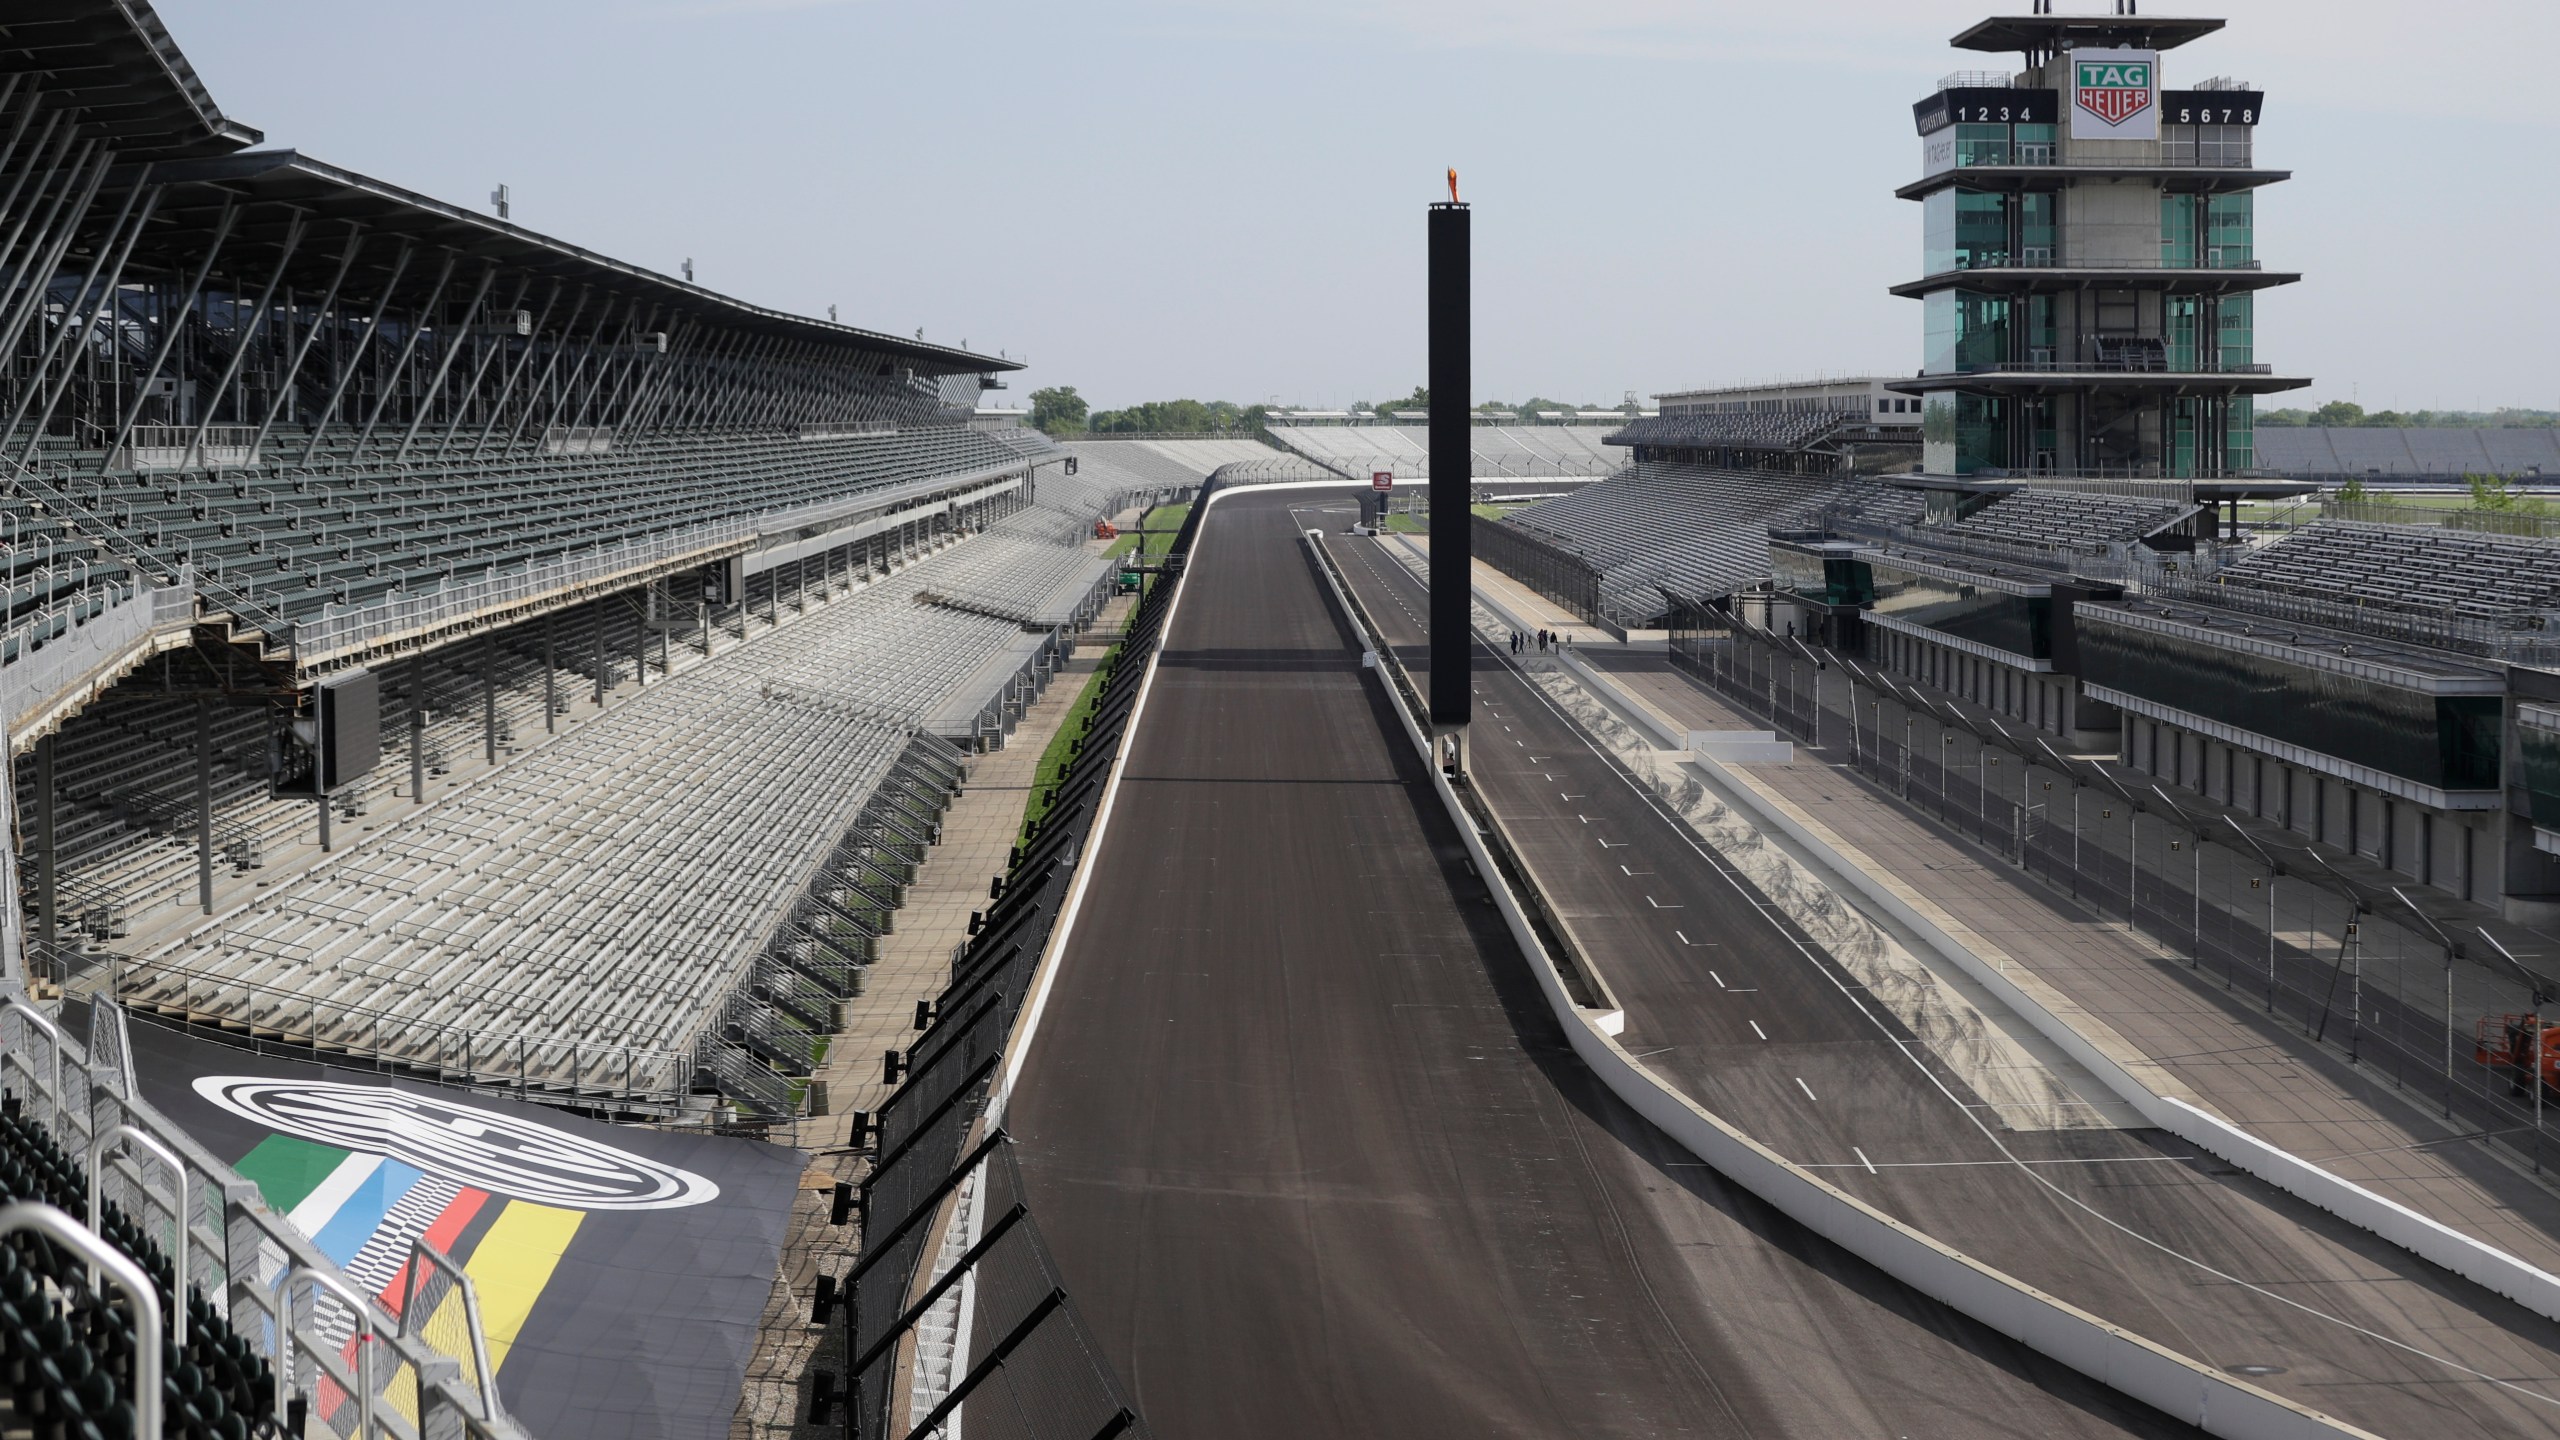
(441, 1234)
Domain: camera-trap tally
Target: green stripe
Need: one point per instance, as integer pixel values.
(287, 1170)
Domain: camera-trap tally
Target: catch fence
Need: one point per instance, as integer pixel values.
(2354, 967)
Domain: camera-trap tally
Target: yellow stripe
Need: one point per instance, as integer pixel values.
(508, 1270)
(512, 1264)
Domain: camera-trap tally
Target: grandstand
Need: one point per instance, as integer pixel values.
(671, 620)
(2510, 583)
(1662, 533)
(2434, 455)
(1500, 452)
(295, 426)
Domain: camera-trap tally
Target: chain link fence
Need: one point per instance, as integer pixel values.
(2354, 968)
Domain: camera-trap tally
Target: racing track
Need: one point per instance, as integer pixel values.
(1313, 1154)
(1725, 998)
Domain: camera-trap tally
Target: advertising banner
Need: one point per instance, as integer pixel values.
(2115, 94)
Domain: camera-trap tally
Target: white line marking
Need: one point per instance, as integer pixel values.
(1658, 905)
(1716, 978)
(1861, 1154)
(1631, 874)
(1756, 1030)
(1808, 1090)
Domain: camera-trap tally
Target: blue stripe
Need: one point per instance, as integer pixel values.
(344, 1236)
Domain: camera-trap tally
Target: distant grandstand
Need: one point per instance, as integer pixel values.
(1499, 451)
(2387, 453)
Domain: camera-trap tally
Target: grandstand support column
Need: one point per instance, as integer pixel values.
(640, 644)
(47, 902)
(418, 730)
(310, 334)
(550, 674)
(204, 803)
(597, 608)
(489, 697)
(1452, 463)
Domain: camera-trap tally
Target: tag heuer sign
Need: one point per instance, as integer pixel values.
(2115, 94)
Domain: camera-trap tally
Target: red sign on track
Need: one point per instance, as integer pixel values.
(1382, 479)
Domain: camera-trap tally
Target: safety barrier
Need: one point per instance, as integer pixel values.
(2185, 1388)
(953, 1299)
(2358, 999)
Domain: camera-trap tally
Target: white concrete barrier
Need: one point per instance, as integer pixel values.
(2431, 1240)
(2172, 1383)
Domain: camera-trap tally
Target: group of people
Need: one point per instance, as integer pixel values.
(1544, 640)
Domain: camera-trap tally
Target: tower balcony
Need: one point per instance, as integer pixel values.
(2033, 271)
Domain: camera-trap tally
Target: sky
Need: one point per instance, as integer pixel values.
(1221, 199)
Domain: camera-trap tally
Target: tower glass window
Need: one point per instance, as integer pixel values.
(2231, 231)
(1965, 230)
(1966, 332)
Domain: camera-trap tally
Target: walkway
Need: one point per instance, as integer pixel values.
(978, 834)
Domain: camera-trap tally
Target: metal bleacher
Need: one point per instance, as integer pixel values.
(2072, 518)
(331, 531)
(2500, 579)
(583, 919)
(1531, 452)
(1687, 529)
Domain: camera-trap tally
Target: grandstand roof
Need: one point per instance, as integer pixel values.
(293, 183)
(113, 61)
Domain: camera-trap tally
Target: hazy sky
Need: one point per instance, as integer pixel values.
(1222, 198)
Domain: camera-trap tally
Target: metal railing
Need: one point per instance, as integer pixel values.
(338, 631)
(268, 1019)
(183, 447)
(236, 1249)
(2358, 969)
(60, 648)
(2034, 257)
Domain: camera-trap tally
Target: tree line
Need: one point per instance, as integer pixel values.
(2347, 412)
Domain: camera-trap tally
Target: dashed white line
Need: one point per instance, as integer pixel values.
(1716, 978)
(1658, 905)
(1756, 1030)
(1861, 1154)
(1808, 1090)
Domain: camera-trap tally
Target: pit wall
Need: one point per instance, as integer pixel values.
(2174, 1384)
(2044, 1009)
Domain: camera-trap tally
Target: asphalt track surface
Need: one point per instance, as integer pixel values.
(1313, 1154)
(1728, 1000)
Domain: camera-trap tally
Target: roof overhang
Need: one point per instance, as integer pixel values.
(2004, 33)
(114, 62)
(281, 184)
(2048, 280)
(2166, 382)
(2175, 179)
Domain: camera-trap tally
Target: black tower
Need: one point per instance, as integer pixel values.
(1452, 465)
